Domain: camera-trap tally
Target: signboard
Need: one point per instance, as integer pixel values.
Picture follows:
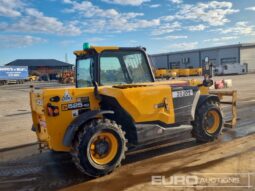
(13, 72)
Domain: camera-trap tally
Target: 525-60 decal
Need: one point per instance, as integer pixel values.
(76, 105)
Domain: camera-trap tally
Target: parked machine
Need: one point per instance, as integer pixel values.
(32, 78)
(233, 68)
(182, 72)
(66, 77)
(195, 71)
(117, 105)
(161, 73)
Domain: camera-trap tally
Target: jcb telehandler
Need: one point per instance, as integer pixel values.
(117, 104)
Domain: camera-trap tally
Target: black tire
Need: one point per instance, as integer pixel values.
(81, 152)
(201, 130)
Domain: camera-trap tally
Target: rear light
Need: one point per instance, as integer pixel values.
(52, 110)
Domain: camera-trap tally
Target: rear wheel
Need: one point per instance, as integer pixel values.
(99, 147)
(208, 122)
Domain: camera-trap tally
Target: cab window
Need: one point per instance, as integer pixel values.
(111, 71)
(84, 72)
(124, 67)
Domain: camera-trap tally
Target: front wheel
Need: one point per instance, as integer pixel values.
(99, 147)
(208, 122)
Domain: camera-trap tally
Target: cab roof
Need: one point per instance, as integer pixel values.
(100, 49)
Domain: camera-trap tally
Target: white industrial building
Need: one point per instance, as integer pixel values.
(238, 53)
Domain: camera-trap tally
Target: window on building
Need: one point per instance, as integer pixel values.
(185, 60)
(175, 65)
(228, 60)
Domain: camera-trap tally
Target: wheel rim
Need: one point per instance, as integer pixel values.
(103, 148)
(212, 121)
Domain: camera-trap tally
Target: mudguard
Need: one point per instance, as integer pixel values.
(77, 122)
(204, 98)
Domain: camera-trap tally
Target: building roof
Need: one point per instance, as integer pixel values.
(38, 62)
(245, 45)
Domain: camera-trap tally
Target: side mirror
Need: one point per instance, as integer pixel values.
(207, 82)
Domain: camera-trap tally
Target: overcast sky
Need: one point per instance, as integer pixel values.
(53, 28)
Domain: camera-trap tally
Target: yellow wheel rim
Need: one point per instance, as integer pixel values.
(103, 148)
(214, 118)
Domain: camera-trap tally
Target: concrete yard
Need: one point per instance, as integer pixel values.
(233, 155)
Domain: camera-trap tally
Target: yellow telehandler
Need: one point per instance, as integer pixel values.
(116, 104)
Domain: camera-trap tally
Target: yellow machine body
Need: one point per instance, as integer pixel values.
(54, 109)
(50, 130)
(140, 102)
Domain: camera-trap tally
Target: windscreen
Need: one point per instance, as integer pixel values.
(124, 67)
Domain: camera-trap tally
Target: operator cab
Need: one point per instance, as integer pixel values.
(109, 66)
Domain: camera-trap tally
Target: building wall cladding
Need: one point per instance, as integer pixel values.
(48, 70)
(248, 56)
(184, 60)
(159, 61)
(220, 55)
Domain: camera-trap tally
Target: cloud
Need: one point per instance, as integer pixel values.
(220, 39)
(10, 8)
(183, 46)
(87, 9)
(214, 13)
(240, 28)
(95, 39)
(167, 28)
(109, 20)
(171, 37)
(154, 5)
(176, 1)
(19, 41)
(36, 22)
(250, 8)
(199, 27)
(127, 2)
(119, 24)
(66, 43)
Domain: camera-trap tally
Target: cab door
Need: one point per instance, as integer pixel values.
(144, 103)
